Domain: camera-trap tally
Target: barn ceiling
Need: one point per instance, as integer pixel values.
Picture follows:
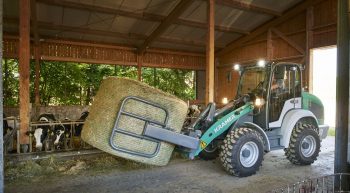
(131, 22)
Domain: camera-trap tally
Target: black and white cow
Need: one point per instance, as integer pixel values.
(48, 135)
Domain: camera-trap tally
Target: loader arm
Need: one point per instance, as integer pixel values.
(222, 125)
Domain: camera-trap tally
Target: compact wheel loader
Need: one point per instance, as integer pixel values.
(270, 112)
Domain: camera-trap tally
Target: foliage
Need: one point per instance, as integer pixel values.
(177, 82)
(10, 82)
(67, 83)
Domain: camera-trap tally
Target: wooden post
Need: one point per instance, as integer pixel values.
(342, 97)
(309, 45)
(269, 46)
(24, 59)
(139, 66)
(36, 52)
(210, 54)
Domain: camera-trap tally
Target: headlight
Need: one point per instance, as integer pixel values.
(224, 101)
(259, 102)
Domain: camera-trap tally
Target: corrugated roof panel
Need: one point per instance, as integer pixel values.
(143, 27)
(181, 31)
(131, 25)
(135, 5)
(280, 6)
(100, 21)
(161, 7)
(197, 11)
(248, 20)
(74, 17)
(49, 13)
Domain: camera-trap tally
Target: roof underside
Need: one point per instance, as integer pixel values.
(131, 22)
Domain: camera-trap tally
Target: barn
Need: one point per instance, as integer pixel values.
(255, 95)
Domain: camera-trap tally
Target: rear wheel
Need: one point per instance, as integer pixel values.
(242, 152)
(304, 145)
(210, 152)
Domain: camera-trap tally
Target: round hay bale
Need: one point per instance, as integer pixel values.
(105, 107)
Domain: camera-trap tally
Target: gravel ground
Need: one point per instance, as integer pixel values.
(183, 176)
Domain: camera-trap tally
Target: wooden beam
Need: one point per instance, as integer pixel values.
(248, 7)
(174, 14)
(202, 25)
(139, 66)
(288, 40)
(132, 36)
(269, 45)
(210, 67)
(36, 52)
(24, 59)
(263, 28)
(309, 44)
(137, 15)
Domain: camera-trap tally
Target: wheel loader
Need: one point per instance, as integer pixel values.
(270, 112)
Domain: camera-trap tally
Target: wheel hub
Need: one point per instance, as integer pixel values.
(246, 153)
(308, 146)
(249, 154)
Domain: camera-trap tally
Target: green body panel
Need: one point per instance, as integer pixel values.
(222, 125)
(308, 101)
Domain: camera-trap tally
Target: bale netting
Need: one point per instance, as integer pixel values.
(103, 113)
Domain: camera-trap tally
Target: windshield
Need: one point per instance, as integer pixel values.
(252, 80)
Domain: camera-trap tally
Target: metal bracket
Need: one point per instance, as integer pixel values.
(116, 130)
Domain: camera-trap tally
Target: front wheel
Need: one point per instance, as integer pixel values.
(242, 152)
(304, 145)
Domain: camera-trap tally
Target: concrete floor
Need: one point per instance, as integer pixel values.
(189, 176)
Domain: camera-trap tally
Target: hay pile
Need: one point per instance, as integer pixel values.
(98, 126)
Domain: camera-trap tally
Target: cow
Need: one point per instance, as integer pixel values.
(9, 133)
(50, 135)
(42, 134)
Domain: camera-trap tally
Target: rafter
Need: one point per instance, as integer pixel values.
(130, 36)
(142, 16)
(247, 7)
(173, 15)
(263, 28)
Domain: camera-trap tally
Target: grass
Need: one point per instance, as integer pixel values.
(331, 131)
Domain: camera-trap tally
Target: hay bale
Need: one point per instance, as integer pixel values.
(100, 122)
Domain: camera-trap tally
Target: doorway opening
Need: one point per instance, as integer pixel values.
(323, 80)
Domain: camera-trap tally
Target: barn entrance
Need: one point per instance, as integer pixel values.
(323, 73)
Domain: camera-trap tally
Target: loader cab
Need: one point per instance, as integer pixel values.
(278, 85)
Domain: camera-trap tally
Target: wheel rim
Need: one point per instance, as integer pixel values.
(308, 146)
(249, 154)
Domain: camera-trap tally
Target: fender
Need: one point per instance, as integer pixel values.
(289, 121)
(262, 133)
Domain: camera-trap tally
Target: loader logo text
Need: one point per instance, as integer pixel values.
(224, 123)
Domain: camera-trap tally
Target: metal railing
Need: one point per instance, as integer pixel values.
(71, 142)
(327, 184)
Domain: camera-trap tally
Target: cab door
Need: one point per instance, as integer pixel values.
(284, 93)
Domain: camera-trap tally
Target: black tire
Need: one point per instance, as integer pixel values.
(210, 152)
(230, 154)
(304, 145)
